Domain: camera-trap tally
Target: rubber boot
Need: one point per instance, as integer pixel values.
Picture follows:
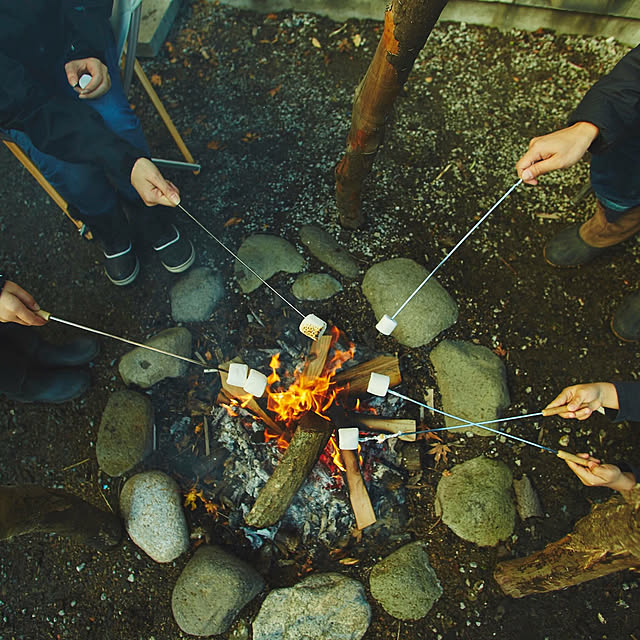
(33, 509)
(579, 244)
(625, 322)
(112, 232)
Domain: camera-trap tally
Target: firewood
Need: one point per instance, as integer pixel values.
(317, 357)
(358, 377)
(388, 425)
(358, 495)
(307, 443)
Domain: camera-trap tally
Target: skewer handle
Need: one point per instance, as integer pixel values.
(565, 455)
(554, 411)
(43, 314)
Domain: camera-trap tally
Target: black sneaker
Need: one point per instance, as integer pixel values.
(625, 323)
(52, 385)
(568, 249)
(176, 253)
(122, 267)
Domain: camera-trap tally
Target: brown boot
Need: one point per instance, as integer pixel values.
(580, 244)
(33, 509)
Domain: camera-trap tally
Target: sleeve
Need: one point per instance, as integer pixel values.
(613, 103)
(628, 401)
(60, 126)
(86, 23)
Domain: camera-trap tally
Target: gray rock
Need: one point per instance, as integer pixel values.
(326, 606)
(472, 382)
(151, 505)
(388, 284)
(527, 501)
(266, 255)
(315, 286)
(194, 297)
(405, 584)
(324, 247)
(475, 501)
(144, 368)
(211, 590)
(126, 432)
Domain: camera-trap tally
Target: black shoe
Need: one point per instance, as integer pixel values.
(122, 267)
(176, 253)
(625, 323)
(80, 351)
(568, 249)
(53, 385)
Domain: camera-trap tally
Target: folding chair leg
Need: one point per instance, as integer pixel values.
(26, 161)
(162, 112)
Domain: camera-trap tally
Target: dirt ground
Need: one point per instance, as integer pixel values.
(264, 103)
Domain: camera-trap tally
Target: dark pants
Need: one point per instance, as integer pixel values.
(17, 346)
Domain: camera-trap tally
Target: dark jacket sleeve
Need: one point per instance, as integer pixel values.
(613, 103)
(60, 126)
(629, 409)
(86, 25)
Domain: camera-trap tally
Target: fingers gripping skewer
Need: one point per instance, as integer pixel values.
(252, 381)
(379, 386)
(387, 324)
(311, 326)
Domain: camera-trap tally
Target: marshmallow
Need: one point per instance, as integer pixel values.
(237, 376)
(312, 326)
(84, 80)
(378, 384)
(348, 438)
(256, 383)
(386, 325)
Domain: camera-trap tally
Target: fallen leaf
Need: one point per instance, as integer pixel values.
(215, 145)
(344, 45)
(349, 561)
(272, 16)
(232, 221)
(274, 91)
(156, 80)
(250, 137)
(316, 43)
(500, 350)
(357, 40)
(439, 451)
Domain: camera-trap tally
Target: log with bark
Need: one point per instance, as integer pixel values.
(407, 25)
(605, 541)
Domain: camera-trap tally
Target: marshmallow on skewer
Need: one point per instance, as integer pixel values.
(312, 326)
(378, 384)
(237, 375)
(386, 325)
(256, 383)
(348, 438)
(84, 80)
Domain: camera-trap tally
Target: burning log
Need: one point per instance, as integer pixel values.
(308, 442)
(358, 495)
(358, 377)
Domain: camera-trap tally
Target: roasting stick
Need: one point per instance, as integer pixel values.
(387, 324)
(379, 386)
(311, 326)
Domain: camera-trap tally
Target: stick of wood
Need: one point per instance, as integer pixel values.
(388, 425)
(317, 357)
(205, 426)
(358, 377)
(358, 495)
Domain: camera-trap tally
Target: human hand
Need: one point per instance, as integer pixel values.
(583, 399)
(100, 78)
(602, 475)
(151, 186)
(557, 150)
(16, 305)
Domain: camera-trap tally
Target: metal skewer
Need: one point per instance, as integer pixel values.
(565, 455)
(47, 316)
(311, 326)
(388, 324)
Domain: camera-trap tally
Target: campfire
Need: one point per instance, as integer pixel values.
(299, 417)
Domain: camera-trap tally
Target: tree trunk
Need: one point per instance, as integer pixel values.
(32, 509)
(603, 542)
(407, 25)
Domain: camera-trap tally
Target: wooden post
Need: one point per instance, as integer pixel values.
(407, 25)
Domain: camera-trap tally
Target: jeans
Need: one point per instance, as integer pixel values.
(615, 177)
(86, 186)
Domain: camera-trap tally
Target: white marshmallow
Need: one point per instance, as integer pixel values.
(378, 384)
(348, 438)
(84, 80)
(256, 383)
(312, 326)
(237, 375)
(386, 325)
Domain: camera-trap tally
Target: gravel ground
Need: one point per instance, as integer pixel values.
(267, 111)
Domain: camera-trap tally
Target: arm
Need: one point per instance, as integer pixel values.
(584, 399)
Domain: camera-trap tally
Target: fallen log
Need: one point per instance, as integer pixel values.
(605, 541)
(307, 443)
